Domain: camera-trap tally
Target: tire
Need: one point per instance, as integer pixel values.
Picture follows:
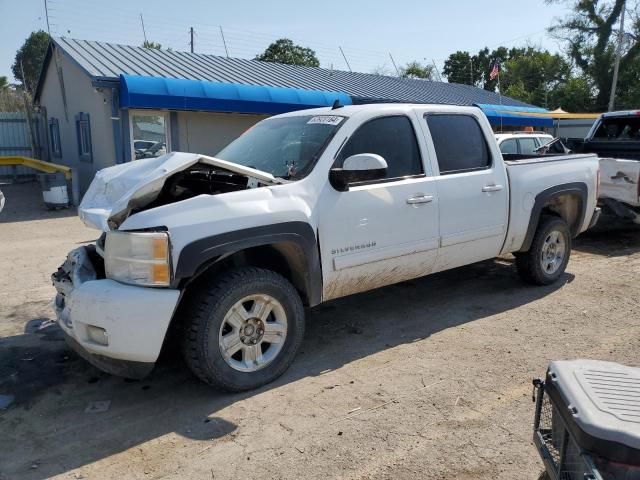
(242, 309)
(538, 270)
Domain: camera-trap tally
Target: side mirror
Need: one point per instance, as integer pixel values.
(358, 168)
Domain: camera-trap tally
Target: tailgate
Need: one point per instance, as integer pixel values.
(619, 180)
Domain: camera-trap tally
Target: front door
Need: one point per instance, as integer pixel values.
(382, 232)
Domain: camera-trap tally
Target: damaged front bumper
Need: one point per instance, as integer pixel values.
(118, 328)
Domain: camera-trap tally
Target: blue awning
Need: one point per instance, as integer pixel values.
(200, 95)
(516, 116)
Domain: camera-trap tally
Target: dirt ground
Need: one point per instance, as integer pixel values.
(425, 379)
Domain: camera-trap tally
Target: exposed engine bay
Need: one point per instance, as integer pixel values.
(198, 180)
(119, 191)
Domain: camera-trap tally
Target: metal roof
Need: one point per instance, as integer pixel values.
(105, 61)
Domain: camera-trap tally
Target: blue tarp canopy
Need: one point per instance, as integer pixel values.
(516, 116)
(200, 95)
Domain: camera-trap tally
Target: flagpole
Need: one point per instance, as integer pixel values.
(500, 98)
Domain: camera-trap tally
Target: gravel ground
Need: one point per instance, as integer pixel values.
(425, 379)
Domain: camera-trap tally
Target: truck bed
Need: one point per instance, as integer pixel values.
(527, 180)
(520, 159)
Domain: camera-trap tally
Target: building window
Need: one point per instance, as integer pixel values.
(54, 135)
(83, 130)
(149, 134)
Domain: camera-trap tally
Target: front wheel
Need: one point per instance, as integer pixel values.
(549, 253)
(243, 329)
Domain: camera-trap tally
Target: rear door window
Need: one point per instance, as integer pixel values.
(528, 146)
(394, 139)
(509, 146)
(459, 142)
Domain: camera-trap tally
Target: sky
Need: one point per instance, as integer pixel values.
(367, 30)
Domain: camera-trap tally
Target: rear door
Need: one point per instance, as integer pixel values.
(472, 189)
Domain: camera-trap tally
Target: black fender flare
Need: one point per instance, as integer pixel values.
(579, 189)
(200, 254)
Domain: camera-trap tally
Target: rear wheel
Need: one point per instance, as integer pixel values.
(243, 329)
(549, 253)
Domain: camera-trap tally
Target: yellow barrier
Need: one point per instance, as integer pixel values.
(36, 164)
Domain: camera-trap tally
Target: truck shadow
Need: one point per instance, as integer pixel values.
(47, 431)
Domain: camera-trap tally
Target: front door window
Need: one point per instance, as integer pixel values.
(149, 134)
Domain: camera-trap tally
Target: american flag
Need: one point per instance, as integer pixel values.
(495, 70)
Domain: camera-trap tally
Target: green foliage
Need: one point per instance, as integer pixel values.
(4, 83)
(535, 75)
(528, 74)
(29, 58)
(151, 45)
(575, 95)
(417, 70)
(462, 67)
(590, 33)
(287, 52)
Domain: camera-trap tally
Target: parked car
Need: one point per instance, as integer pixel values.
(615, 138)
(525, 143)
(304, 208)
(149, 149)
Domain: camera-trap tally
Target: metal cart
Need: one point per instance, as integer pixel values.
(587, 421)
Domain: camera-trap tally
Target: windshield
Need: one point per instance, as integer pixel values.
(286, 147)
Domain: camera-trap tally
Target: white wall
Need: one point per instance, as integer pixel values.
(81, 97)
(208, 133)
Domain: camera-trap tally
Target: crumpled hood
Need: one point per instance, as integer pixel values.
(116, 191)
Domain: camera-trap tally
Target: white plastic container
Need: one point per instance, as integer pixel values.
(54, 190)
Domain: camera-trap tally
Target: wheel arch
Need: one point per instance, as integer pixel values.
(289, 249)
(567, 201)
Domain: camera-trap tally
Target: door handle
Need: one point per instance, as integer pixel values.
(419, 199)
(492, 188)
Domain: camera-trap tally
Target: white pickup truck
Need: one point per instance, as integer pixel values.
(615, 138)
(303, 208)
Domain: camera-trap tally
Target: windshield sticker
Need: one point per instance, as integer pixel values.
(326, 120)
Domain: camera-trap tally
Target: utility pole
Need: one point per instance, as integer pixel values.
(394, 64)
(143, 31)
(470, 71)
(435, 69)
(191, 41)
(616, 65)
(345, 59)
(224, 42)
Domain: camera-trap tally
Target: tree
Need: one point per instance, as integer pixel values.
(4, 83)
(30, 57)
(287, 52)
(529, 74)
(534, 76)
(575, 95)
(462, 67)
(590, 33)
(151, 45)
(417, 70)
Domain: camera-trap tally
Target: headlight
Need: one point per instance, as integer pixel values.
(138, 258)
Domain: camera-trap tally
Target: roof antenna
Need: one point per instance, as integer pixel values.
(336, 104)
